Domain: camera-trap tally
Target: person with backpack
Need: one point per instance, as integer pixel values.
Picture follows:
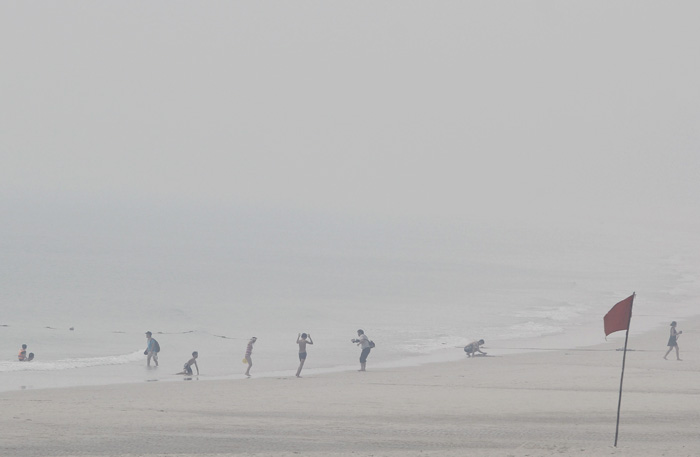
(152, 349)
(366, 346)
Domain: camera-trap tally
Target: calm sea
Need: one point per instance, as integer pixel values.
(81, 284)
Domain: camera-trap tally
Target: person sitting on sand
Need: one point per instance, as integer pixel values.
(22, 356)
(472, 348)
(302, 342)
(248, 353)
(673, 341)
(187, 369)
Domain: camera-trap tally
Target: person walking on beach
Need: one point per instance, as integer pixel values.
(22, 356)
(366, 346)
(152, 349)
(472, 348)
(302, 342)
(187, 369)
(673, 341)
(248, 352)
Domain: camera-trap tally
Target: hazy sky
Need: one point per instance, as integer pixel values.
(438, 110)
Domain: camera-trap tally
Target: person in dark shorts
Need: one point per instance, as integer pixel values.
(302, 342)
(673, 341)
(364, 343)
(187, 369)
(472, 348)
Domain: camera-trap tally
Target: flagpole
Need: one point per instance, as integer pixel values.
(622, 376)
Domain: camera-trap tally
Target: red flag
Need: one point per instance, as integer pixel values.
(618, 318)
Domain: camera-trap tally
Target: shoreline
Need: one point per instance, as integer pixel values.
(546, 343)
(579, 338)
(543, 403)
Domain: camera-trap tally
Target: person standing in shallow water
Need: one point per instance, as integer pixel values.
(363, 342)
(151, 351)
(248, 352)
(302, 342)
(673, 341)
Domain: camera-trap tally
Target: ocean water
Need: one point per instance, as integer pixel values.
(82, 284)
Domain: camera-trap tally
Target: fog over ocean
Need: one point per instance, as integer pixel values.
(432, 173)
(208, 279)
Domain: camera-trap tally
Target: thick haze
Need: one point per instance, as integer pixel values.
(520, 111)
(431, 172)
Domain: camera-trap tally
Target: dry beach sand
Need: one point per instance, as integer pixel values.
(549, 403)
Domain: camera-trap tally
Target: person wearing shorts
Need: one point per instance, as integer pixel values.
(302, 342)
(187, 369)
(150, 351)
(472, 348)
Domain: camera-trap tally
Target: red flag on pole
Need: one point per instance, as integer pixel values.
(618, 318)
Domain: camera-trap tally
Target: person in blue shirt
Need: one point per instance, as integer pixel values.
(151, 349)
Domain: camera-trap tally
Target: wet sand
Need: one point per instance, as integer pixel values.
(551, 403)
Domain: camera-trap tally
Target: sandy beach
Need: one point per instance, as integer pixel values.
(432, 173)
(544, 403)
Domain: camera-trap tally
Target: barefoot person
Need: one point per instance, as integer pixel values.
(302, 342)
(248, 352)
(673, 341)
(472, 348)
(366, 346)
(152, 349)
(187, 369)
